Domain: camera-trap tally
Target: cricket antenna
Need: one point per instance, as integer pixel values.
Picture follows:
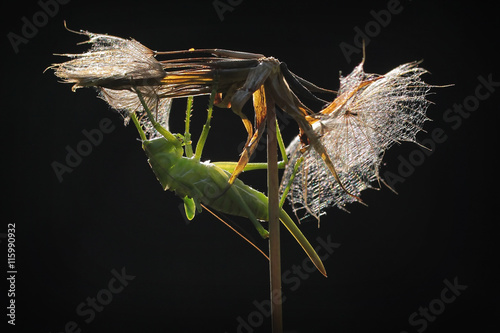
(238, 233)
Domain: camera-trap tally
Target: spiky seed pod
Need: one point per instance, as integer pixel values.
(374, 113)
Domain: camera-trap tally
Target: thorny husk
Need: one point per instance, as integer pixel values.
(380, 110)
(370, 114)
(116, 67)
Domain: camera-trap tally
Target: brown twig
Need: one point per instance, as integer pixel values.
(274, 223)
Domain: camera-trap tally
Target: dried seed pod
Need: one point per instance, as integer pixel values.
(112, 62)
(115, 66)
(370, 114)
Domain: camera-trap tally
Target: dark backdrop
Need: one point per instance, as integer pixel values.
(109, 216)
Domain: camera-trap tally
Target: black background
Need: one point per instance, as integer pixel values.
(110, 212)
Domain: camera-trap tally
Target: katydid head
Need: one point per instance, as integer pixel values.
(170, 151)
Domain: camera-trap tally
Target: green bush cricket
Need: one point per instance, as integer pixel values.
(205, 183)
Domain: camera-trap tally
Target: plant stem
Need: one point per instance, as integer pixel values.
(274, 223)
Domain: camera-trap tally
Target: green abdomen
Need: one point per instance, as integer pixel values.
(202, 181)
